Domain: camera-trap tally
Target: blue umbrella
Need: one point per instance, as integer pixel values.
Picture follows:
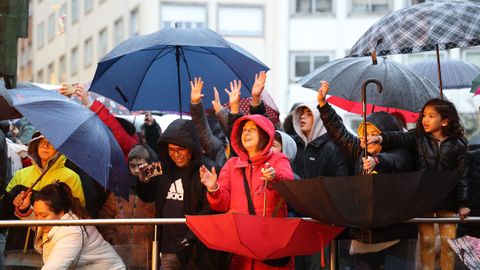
(77, 133)
(153, 72)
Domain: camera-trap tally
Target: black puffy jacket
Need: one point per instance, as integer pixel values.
(431, 155)
(390, 160)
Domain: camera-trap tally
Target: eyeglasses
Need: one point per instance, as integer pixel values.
(177, 151)
(249, 130)
(45, 144)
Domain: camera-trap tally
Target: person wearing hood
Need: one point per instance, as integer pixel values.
(136, 241)
(383, 240)
(317, 155)
(256, 166)
(42, 154)
(178, 191)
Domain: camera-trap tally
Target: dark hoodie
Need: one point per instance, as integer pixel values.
(181, 133)
(390, 161)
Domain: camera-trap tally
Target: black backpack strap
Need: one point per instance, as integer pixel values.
(251, 209)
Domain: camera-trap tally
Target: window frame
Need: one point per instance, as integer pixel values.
(242, 33)
(312, 12)
(312, 55)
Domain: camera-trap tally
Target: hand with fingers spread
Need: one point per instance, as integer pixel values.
(234, 96)
(209, 178)
(22, 201)
(217, 106)
(196, 87)
(258, 87)
(322, 93)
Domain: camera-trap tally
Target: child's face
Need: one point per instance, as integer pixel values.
(373, 148)
(276, 146)
(134, 165)
(432, 121)
(306, 121)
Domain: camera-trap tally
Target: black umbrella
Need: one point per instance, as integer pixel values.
(7, 111)
(368, 201)
(456, 74)
(403, 88)
(432, 25)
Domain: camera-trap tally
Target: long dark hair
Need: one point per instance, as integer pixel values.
(58, 196)
(447, 110)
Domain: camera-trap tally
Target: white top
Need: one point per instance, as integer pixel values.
(76, 247)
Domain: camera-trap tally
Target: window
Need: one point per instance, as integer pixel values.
(62, 69)
(471, 55)
(39, 76)
(184, 16)
(74, 15)
(51, 26)
(312, 6)
(231, 20)
(369, 6)
(117, 31)
(88, 6)
(51, 78)
(134, 30)
(88, 52)
(62, 17)
(306, 62)
(102, 43)
(40, 35)
(74, 62)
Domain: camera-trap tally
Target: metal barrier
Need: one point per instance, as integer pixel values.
(166, 221)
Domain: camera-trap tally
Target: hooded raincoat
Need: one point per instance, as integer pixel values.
(231, 195)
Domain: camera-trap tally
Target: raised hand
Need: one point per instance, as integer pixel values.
(196, 90)
(234, 96)
(208, 178)
(83, 94)
(322, 93)
(258, 87)
(217, 106)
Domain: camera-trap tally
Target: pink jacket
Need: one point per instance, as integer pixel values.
(231, 194)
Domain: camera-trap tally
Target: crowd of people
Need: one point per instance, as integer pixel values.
(222, 161)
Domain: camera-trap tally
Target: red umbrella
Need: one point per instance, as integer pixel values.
(262, 238)
(356, 107)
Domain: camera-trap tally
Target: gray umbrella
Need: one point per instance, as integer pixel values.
(456, 74)
(403, 88)
(432, 25)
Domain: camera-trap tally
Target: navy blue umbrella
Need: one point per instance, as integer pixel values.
(153, 72)
(76, 132)
(456, 74)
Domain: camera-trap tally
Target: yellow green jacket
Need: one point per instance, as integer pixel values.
(28, 175)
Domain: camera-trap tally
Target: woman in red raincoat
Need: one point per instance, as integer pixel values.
(252, 137)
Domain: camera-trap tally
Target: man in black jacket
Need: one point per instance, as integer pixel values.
(317, 155)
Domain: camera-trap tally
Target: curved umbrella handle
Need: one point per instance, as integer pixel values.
(364, 107)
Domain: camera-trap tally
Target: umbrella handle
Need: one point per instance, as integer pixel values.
(364, 107)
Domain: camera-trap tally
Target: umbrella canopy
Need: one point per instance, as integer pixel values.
(476, 85)
(402, 87)
(432, 25)
(153, 72)
(467, 249)
(77, 133)
(455, 73)
(271, 108)
(261, 238)
(373, 200)
(7, 111)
